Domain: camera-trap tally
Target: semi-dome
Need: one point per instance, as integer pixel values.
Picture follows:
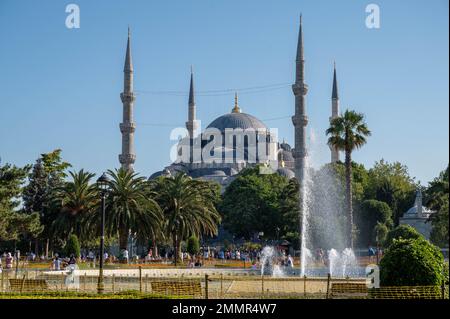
(237, 120)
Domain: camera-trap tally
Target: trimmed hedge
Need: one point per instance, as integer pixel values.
(412, 262)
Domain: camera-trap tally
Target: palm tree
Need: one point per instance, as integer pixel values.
(347, 133)
(130, 207)
(188, 206)
(77, 198)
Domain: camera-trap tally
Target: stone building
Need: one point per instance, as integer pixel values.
(418, 217)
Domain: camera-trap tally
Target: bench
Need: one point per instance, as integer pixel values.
(28, 285)
(352, 290)
(191, 288)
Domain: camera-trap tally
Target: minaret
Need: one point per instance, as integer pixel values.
(127, 127)
(300, 120)
(334, 113)
(191, 124)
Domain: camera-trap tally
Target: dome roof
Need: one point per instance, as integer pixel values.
(286, 172)
(413, 211)
(237, 120)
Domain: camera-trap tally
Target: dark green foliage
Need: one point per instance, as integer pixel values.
(14, 224)
(437, 198)
(72, 246)
(369, 215)
(392, 184)
(402, 231)
(256, 202)
(412, 262)
(193, 245)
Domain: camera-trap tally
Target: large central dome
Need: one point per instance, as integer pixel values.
(237, 120)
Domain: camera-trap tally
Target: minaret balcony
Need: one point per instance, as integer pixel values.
(127, 97)
(300, 120)
(299, 89)
(127, 158)
(127, 127)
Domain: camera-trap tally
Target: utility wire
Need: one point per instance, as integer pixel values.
(247, 90)
(182, 125)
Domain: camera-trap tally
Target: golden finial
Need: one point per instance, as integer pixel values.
(236, 108)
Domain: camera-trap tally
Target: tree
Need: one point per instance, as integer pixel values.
(437, 198)
(402, 232)
(189, 208)
(45, 179)
(130, 208)
(412, 262)
(193, 245)
(392, 184)
(348, 133)
(13, 222)
(77, 198)
(72, 246)
(255, 202)
(371, 214)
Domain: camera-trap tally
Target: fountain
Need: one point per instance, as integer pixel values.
(342, 264)
(323, 223)
(270, 263)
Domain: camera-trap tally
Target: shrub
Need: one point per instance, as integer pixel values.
(72, 246)
(402, 231)
(193, 245)
(412, 262)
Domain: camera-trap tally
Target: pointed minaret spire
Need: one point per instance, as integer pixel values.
(236, 108)
(334, 112)
(127, 127)
(334, 94)
(128, 61)
(300, 74)
(191, 89)
(191, 124)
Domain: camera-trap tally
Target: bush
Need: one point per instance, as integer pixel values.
(72, 246)
(193, 245)
(402, 231)
(412, 262)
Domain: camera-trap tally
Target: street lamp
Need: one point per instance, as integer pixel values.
(102, 184)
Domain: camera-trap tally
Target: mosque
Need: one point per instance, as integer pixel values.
(244, 140)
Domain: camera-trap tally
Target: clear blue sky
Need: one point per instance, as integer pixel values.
(60, 87)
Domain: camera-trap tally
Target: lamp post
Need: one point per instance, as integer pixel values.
(102, 184)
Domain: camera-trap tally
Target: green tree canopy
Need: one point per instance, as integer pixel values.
(392, 184)
(189, 207)
(77, 198)
(371, 213)
(412, 262)
(13, 222)
(403, 232)
(256, 202)
(437, 198)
